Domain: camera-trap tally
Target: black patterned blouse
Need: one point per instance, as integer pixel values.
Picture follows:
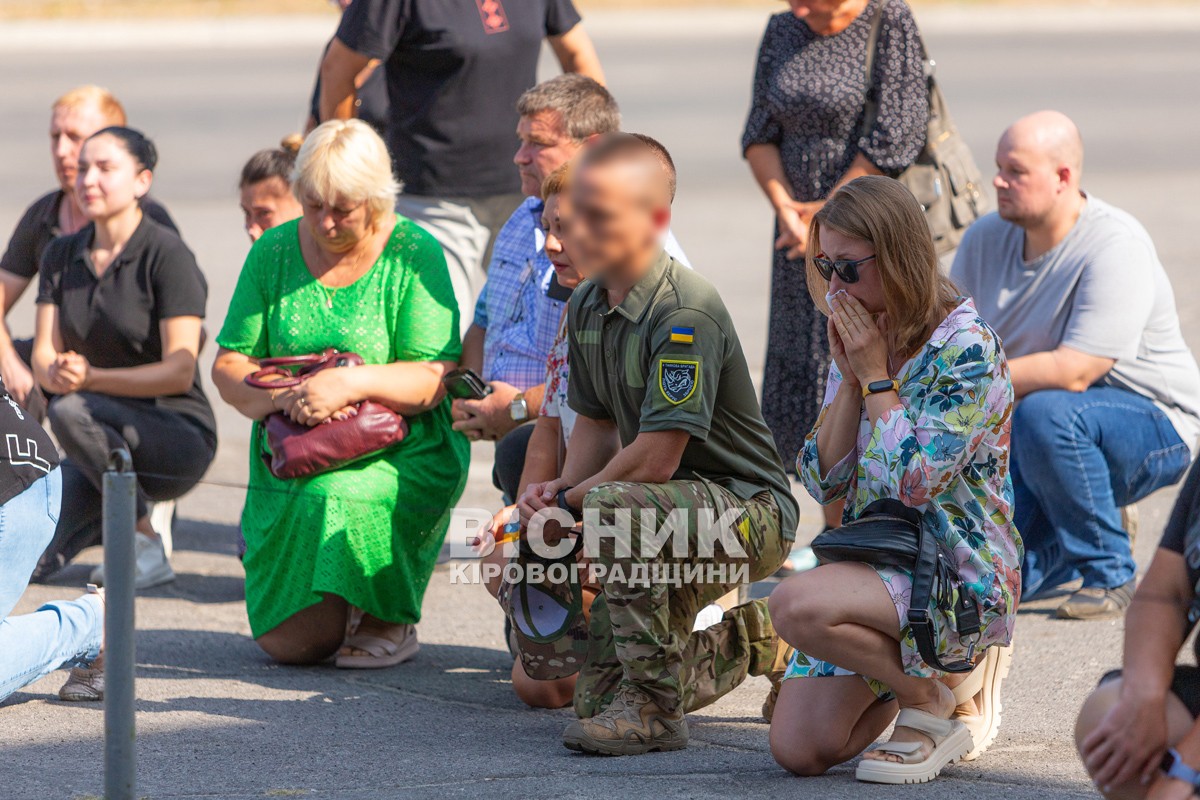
(809, 94)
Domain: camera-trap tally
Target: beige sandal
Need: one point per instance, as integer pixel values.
(984, 683)
(381, 652)
(951, 741)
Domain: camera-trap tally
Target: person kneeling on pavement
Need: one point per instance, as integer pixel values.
(61, 633)
(667, 421)
(1139, 732)
(543, 672)
(917, 412)
(1108, 390)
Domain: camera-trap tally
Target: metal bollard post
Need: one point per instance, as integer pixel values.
(120, 510)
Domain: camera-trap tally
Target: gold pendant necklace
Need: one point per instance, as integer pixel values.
(331, 292)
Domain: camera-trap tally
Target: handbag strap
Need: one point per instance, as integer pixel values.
(934, 569)
(276, 373)
(871, 103)
(298, 361)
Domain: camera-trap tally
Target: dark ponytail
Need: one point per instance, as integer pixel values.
(276, 162)
(135, 143)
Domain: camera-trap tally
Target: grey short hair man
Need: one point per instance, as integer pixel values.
(584, 107)
(516, 321)
(1109, 392)
(509, 349)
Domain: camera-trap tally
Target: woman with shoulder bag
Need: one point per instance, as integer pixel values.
(918, 410)
(360, 534)
(803, 139)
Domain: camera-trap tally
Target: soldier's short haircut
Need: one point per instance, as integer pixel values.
(631, 148)
(664, 155)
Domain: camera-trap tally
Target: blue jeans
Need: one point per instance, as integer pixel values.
(1076, 459)
(58, 634)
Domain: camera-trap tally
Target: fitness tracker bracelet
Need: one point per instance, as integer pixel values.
(562, 503)
(1173, 767)
(879, 387)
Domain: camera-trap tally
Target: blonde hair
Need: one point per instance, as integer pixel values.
(345, 160)
(884, 212)
(99, 98)
(557, 182)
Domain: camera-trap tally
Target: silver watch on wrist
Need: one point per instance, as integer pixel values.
(518, 409)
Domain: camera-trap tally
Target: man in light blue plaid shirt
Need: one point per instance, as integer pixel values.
(515, 319)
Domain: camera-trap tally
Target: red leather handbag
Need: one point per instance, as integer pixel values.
(297, 450)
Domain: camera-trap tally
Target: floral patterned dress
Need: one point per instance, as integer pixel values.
(942, 450)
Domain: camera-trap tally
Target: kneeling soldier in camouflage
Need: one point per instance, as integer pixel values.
(669, 440)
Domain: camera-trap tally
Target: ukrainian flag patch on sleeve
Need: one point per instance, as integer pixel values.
(682, 334)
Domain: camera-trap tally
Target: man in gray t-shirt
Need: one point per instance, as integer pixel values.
(1109, 393)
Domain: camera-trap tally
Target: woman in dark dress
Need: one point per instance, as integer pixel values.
(803, 139)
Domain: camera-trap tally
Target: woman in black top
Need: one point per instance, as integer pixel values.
(1145, 719)
(803, 139)
(119, 316)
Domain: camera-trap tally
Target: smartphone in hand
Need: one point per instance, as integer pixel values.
(464, 384)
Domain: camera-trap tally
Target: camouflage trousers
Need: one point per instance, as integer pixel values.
(641, 634)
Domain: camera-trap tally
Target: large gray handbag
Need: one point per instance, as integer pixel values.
(944, 178)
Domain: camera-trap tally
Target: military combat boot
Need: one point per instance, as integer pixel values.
(632, 724)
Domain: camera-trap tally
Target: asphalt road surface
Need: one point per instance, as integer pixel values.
(217, 720)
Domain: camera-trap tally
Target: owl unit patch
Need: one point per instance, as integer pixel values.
(677, 379)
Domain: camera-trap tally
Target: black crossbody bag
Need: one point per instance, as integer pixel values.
(890, 533)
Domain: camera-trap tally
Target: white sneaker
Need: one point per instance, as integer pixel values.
(162, 516)
(151, 567)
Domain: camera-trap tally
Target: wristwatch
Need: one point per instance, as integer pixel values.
(879, 387)
(1173, 767)
(518, 409)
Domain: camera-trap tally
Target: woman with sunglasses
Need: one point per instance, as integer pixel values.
(918, 409)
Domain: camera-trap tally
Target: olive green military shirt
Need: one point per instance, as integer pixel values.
(668, 358)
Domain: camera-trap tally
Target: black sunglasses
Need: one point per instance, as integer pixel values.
(846, 270)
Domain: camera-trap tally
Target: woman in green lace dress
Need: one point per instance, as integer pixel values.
(352, 275)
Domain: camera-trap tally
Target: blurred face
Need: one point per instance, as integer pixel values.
(266, 204)
(1028, 183)
(802, 9)
(69, 129)
(337, 227)
(109, 179)
(554, 220)
(613, 227)
(545, 146)
(868, 289)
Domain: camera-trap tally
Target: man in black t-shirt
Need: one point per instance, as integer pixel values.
(32, 645)
(454, 70)
(370, 100)
(75, 116)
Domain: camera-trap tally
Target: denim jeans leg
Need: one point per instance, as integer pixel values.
(27, 524)
(1082, 455)
(58, 634)
(1044, 567)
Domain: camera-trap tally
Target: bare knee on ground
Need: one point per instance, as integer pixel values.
(822, 722)
(542, 694)
(309, 636)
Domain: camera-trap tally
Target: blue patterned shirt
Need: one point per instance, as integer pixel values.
(520, 320)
